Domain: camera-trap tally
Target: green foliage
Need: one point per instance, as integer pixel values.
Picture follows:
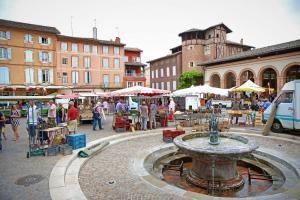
(187, 79)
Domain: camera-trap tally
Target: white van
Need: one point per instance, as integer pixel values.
(288, 109)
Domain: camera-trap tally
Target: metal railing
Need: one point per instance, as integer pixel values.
(135, 74)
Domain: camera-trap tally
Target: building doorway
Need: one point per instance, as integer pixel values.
(230, 80)
(269, 78)
(247, 75)
(293, 73)
(215, 81)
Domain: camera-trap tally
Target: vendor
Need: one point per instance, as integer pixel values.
(52, 114)
(72, 118)
(235, 106)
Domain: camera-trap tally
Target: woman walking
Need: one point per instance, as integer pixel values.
(15, 123)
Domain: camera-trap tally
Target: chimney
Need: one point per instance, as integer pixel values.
(117, 40)
(242, 41)
(95, 32)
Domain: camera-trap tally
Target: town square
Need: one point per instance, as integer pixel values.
(149, 100)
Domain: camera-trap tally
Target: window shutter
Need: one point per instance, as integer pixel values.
(4, 75)
(30, 38)
(9, 53)
(26, 75)
(40, 56)
(39, 75)
(51, 75)
(40, 39)
(50, 57)
(49, 40)
(8, 35)
(25, 38)
(85, 77)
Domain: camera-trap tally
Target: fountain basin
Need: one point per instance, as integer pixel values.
(215, 166)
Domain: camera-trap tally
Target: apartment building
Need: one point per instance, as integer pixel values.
(164, 71)
(134, 68)
(89, 64)
(27, 57)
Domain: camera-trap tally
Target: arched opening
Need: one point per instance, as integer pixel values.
(215, 81)
(246, 75)
(293, 73)
(269, 77)
(230, 80)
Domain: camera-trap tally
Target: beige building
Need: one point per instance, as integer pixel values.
(27, 57)
(272, 65)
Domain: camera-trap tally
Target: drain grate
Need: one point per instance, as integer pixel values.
(29, 180)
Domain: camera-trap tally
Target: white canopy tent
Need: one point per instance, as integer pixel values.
(201, 89)
(249, 86)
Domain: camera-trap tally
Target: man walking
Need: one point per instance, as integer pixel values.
(144, 115)
(97, 116)
(52, 114)
(153, 111)
(32, 119)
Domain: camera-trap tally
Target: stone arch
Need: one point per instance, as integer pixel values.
(286, 69)
(243, 71)
(231, 74)
(215, 80)
(274, 83)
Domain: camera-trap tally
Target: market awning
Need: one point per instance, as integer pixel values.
(139, 90)
(201, 89)
(69, 96)
(249, 86)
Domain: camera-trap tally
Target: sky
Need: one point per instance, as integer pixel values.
(154, 25)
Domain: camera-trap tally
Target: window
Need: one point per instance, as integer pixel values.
(152, 74)
(156, 86)
(136, 59)
(206, 50)
(156, 73)
(74, 77)
(174, 70)
(162, 85)
(191, 64)
(64, 46)
(74, 61)
(286, 97)
(87, 62)
(140, 84)
(5, 53)
(28, 56)
(105, 62)
(86, 48)
(64, 61)
(4, 75)
(44, 40)
(29, 76)
(87, 77)
(74, 47)
(44, 76)
(95, 49)
(116, 50)
(174, 85)
(105, 80)
(117, 63)
(125, 58)
(5, 35)
(45, 57)
(168, 86)
(217, 35)
(65, 78)
(117, 80)
(105, 49)
(209, 36)
(129, 84)
(161, 72)
(27, 38)
(168, 71)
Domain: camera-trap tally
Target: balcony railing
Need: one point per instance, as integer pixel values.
(111, 85)
(135, 74)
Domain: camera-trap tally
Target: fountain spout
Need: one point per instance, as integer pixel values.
(213, 130)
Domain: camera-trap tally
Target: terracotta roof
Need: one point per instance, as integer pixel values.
(264, 51)
(135, 64)
(26, 26)
(238, 44)
(90, 40)
(133, 49)
(167, 56)
(203, 30)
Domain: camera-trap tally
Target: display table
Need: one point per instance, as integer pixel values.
(51, 132)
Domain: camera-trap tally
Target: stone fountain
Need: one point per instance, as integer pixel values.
(214, 157)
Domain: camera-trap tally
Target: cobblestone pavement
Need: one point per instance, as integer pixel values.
(15, 165)
(110, 174)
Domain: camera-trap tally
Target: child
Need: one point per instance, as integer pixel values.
(252, 116)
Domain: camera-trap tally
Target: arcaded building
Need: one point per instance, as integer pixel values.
(272, 65)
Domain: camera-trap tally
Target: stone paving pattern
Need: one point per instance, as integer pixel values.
(116, 164)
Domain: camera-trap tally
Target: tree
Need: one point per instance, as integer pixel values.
(187, 79)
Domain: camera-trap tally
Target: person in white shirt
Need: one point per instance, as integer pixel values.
(32, 120)
(105, 106)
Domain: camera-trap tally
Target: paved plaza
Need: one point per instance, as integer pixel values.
(111, 173)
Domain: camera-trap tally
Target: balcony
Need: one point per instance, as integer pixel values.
(132, 74)
(111, 85)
